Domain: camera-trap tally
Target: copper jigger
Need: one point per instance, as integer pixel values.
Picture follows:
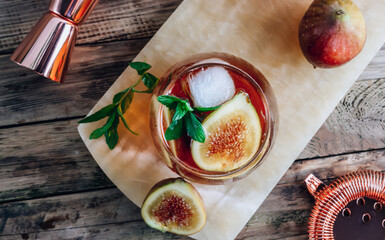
(48, 46)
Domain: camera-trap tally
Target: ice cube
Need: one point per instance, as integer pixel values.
(211, 87)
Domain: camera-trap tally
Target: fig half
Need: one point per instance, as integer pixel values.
(174, 205)
(233, 136)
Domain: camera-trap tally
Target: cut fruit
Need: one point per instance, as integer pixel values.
(233, 135)
(167, 116)
(174, 205)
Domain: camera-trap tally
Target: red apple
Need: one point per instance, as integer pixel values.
(332, 32)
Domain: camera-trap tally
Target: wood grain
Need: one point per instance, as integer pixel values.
(124, 230)
(107, 213)
(48, 159)
(109, 21)
(55, 161)
(96, 208)
(51, 188)
(353, 126)
(375, 69)
(26, 97)
(355, 123)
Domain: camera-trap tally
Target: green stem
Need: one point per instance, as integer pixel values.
(129, 90)
(139, 91)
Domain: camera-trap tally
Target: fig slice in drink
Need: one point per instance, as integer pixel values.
(233, 136)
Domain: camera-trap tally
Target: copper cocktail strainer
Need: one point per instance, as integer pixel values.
(351, 208)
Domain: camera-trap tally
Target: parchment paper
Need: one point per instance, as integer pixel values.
(263, 32)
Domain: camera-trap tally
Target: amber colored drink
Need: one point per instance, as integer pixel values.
(247, 79)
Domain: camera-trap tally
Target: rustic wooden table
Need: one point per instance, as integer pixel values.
(51, 188)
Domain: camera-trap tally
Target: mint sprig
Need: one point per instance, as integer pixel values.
(120, 103)
(184, 119)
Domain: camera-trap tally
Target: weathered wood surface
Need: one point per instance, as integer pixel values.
(107, 213)
(26, 97)
(51, 188)
(110, 20)
(375, 69)
(46, 159)
(55, 149)
(356, 124)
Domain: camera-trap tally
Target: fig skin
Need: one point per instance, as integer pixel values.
(184, 190)
(331, 33)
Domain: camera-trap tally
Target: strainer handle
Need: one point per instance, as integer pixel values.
(313, 184)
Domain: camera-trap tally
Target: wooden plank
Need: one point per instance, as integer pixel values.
(73, 210)
(124, 20)
(133, 231)
(282, 224)
(355, 123)
(30, 169)
(27, 97)
(376, 68)
(110, 20)
(101, 209)
(329, 167)
(45, 160)
(109, 213)
(105, 213)
(126, 230)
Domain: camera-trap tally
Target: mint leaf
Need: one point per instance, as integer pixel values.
(140, 67)
(97, 133)
(186, 105)
(194, 128)
(120, 103)
(127, 101)
(119, 95)
(169, 101)
(205, 109)
(128, 128)
(102, 113)
(183, 113)
(112, 138)
(149, 80)
(125, 123)
(179, 112)
(111, 135)
(175, 130)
